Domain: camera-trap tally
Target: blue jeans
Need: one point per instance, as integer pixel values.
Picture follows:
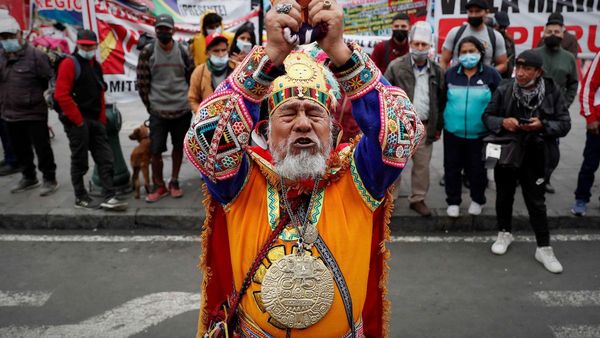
(591, 160)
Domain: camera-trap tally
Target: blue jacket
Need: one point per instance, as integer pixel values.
(466, 100)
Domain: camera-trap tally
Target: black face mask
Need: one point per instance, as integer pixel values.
(552, 41)
(475, 21)
(164, 37)
(400, 34)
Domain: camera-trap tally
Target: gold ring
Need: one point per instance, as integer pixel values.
(327, 4)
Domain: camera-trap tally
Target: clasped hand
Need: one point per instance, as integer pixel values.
(328, 15)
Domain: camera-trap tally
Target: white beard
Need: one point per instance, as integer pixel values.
(303, 165)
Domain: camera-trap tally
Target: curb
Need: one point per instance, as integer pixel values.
(192, 219)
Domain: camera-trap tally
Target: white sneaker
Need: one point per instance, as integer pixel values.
(475, 208)
(502, 242)
(545, 255)
(453, 211)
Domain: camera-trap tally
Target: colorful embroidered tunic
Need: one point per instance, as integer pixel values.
(351, 210)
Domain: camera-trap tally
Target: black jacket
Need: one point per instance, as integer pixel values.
(553, 113)
(400, 74)
(23, 80)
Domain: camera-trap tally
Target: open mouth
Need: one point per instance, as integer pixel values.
(304, 142)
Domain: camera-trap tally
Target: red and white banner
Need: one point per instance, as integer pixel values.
(528, 19)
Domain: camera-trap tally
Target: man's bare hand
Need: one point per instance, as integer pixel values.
(332, 20)
(277, 46)
(593, 127)
(534, 125)
(511, 124)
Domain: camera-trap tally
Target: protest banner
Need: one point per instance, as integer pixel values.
(119, 28)
(373, 17)
(528, 19)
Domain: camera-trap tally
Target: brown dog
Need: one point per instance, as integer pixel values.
(140, 159)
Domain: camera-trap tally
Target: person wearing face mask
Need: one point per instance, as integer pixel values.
(502, 22)
(163, 76)
(210, 23)
(561, 66)
(569, 41)
(386, 51)
(493, 42)
(243, 41)
(468, 88)
(422, 79)
(79, 93)
(24, 75)
(208, 76)
(531, 110)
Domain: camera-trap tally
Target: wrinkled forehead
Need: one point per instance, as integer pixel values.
(297, 105)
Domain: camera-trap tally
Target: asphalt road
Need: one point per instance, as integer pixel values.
(453, 287)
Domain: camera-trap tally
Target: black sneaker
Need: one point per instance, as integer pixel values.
(48, 188)
(114, 204)
(549, 188)
(25, 184)
(86, 203)
(6, 170)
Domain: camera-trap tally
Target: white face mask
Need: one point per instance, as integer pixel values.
(88, 55)
(211, 31)
(243, 46)
(219, 62)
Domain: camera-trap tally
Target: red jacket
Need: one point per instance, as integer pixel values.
(65, 80)
(591, 91)
(395, 50)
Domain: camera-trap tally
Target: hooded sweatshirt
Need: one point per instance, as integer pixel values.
(198, 46)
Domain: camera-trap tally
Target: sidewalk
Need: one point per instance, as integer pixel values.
(28, 210)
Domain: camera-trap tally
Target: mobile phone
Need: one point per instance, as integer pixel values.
(523, 120)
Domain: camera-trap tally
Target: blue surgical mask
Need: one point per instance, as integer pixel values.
(88, 55)
(469, 60)
(11, 45)
(219, 62)
(243, 46)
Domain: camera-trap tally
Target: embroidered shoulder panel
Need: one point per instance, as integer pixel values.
(371, 202)
(401, 130)
(219, 135)
(248, 78)
(360, 79)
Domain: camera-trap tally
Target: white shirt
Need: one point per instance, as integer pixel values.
(421, 96)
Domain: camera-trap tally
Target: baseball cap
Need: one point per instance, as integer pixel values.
(215, 38)
(502, 19)
(483, 4)
(164, 20)
(555, 19)
(530, 58)
(86, 37)
(8, 24)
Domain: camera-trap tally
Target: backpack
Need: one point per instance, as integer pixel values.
(49, 93)
(148, 45)
(491, 34)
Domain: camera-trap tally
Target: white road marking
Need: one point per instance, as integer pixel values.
(25, 298)
(96, 238)
(576, 331)
(489, 239)
(126, 320)
(176, 238)
(569, 298)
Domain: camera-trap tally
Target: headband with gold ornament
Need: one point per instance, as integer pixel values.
(305, 78)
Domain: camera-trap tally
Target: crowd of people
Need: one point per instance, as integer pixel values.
(481, 98)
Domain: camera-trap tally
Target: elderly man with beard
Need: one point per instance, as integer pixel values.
(293, 242)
